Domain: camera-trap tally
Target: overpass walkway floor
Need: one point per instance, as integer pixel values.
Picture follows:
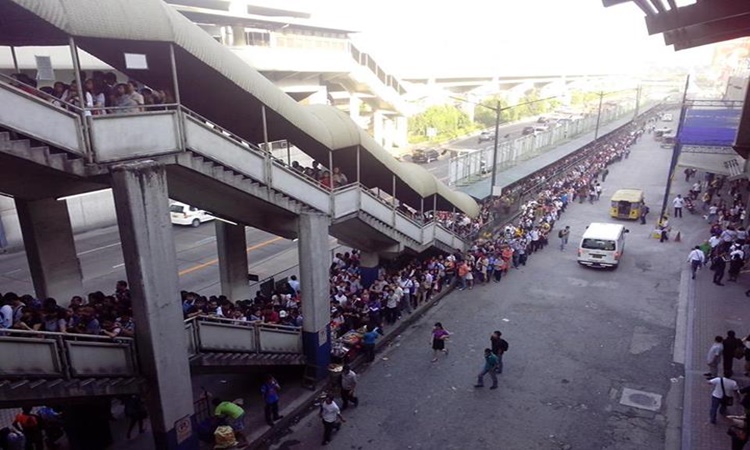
(481, 189)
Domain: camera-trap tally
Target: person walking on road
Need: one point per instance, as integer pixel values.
(722, 388)
(696, 258)
(270, 391)
(563, 235)
(644, 211)
(490, 366)
(714, 356)
(678, 203)
(439, 335)
(348, 385)
(331, 415)
(718, 266)
(605, 172)
(598, 189)
(731, 348)
(499, 347)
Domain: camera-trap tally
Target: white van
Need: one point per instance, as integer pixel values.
(602, 245)
(183, 214)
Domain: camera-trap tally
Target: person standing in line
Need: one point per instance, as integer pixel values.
(678, 203)
(722, 387)
(490, 366)
(731, 347)
(270, 390)
(735, 266)
(368, 342)
(696, 258)
(718, 266)
(563, 235)
(439, 335)
(714, 356)
(598, 189)
(499, 347)
(644, 211)
(746, 345)
(348, 385)
(331, 415)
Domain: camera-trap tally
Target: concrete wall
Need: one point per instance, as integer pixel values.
(88, 212)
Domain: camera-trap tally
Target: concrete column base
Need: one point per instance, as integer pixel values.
(231, 244)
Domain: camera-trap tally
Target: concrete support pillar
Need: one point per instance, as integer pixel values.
(239, 38)
(231, 244)
(369, 267)
(140, 193)
(50, 249)
(401, 138)
(314, 261)
(377, 127)
(354, 104)
(389, 132)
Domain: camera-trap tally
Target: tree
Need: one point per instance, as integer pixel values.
(447, 121)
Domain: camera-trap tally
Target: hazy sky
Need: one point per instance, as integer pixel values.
(509, 36)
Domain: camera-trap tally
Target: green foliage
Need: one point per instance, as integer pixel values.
(448, 122)
(484, 113)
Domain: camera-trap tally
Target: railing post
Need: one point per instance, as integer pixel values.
(88, 151)
(256, 332)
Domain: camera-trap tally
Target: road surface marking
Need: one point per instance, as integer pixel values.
(216, 260)
(118, 266)
(97, 249)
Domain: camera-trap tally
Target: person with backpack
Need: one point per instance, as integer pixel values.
(499, 347)
(563, 235)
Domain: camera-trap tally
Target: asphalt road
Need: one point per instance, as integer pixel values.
(102, 264)
(578, 337)
(439, 168)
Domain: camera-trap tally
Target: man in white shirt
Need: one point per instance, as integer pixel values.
(696, 258)
(678, 203)
(294, 284)
(329, 413)
(722, 388)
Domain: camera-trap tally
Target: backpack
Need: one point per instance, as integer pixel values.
(560, 233)
(503, 345)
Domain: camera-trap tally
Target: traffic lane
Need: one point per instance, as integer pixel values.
(100, 256)
(514, 130)
(578, 337)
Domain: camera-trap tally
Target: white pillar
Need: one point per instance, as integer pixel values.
(314, 261)
(377, 127)
(140, 192)
(50, 248)
(401, 138)
(354, 104)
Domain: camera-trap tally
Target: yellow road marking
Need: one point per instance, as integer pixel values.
(216, 260)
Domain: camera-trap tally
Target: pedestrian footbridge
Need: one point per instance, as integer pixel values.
(38, 365)
(205, 145)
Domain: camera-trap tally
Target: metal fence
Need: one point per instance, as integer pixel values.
(470, 167)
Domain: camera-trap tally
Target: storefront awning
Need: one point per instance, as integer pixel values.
(720, 164)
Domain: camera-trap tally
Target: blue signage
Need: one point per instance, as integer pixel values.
(710, 126)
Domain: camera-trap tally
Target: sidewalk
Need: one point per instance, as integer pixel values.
(710, 310)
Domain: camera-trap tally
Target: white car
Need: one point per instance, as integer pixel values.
(183, 214)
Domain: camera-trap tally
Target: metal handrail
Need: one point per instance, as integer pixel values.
(237, 322)
(65, 336)
(51, 99)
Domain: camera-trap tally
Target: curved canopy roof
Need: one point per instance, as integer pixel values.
(214, 82)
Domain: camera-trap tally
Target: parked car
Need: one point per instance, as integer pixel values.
(424, 155)
(184, 214)
(527, 130)
(486, 136)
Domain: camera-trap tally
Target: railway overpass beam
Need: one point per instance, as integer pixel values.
(231, 244)
(314, 262)
(50, 248)
(140, 192)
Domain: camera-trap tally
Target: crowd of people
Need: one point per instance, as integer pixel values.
(102, 93)
(361, 299)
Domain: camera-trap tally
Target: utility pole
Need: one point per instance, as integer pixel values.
(498, 110)
(599, 115)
